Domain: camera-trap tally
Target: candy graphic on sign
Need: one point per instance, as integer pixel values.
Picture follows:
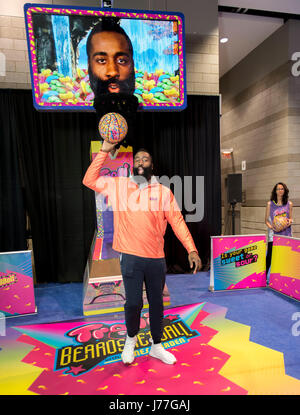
(16, 284)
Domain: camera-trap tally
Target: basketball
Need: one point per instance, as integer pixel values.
(113, 127)
(280, 223)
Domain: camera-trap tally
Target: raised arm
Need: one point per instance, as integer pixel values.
(92, 178)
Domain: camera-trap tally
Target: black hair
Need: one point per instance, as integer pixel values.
(285, 196)
(107, 24)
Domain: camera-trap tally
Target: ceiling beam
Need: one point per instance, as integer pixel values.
(253, 12)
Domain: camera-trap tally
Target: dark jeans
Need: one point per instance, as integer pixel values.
(269, 257)
(136, 270)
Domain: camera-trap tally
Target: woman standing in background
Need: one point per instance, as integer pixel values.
(278, 217)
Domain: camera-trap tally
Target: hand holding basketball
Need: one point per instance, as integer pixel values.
(108, 147)
(280, 223)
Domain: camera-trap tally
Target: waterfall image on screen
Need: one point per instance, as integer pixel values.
(154, 45)
(61, 32)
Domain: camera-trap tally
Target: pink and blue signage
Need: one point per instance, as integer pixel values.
(16, 284)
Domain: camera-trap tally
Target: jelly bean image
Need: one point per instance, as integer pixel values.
(151, 88)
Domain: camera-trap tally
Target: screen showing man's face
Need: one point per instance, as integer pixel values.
(111, 65)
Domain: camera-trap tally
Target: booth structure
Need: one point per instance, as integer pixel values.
(285, 266)
(238, 262)
(103, 285)
(16, 284)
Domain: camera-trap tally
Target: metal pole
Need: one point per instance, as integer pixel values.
(233, 217)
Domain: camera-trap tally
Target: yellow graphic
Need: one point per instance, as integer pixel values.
(23, 374)
(256, 368)
(285, 261)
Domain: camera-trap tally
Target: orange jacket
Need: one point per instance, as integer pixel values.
(140, 212)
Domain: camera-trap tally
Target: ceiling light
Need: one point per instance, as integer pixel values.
(224, 40)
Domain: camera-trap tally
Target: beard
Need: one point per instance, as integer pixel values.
(101, 87)
(147, 172)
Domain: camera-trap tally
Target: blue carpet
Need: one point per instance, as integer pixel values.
(267, 312)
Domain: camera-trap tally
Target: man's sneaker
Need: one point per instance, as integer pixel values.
(158, 351)
(128, 351)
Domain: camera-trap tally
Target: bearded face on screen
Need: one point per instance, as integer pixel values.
(110, 60)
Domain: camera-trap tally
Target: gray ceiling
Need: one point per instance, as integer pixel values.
(247, 31)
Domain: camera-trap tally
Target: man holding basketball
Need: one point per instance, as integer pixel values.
(142, 207)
